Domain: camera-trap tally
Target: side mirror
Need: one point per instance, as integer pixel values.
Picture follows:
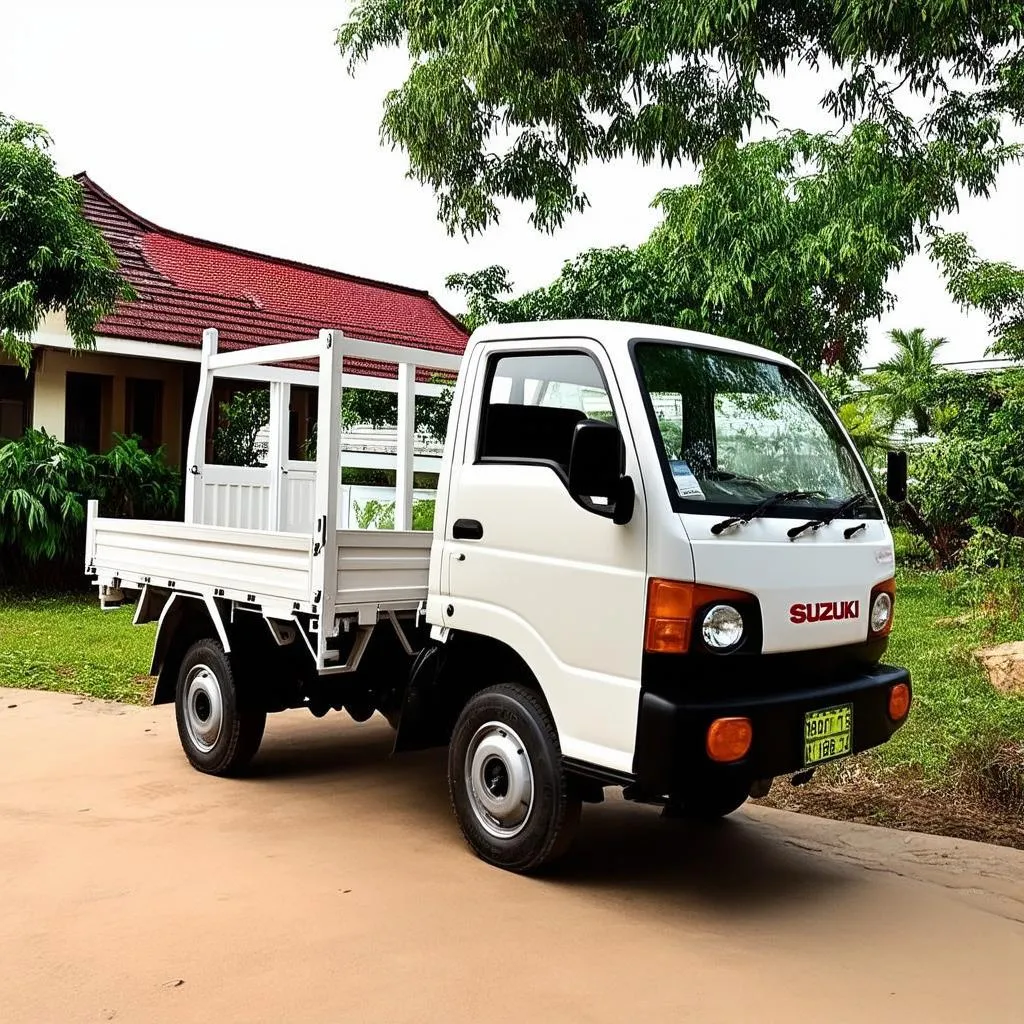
(595, 471)
(896, 476)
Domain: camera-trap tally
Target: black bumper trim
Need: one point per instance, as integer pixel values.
(671, 731)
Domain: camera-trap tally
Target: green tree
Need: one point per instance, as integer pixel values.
(508, 100)
(996, 288)
(970, 481)
(902, 384)
(364, 407)
(360, 406)
(860, 414)
(786, 243)
(236, 441)
(51, 257)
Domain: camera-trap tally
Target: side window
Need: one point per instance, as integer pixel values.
(533, 403)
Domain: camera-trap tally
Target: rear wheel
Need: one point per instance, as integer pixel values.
(220, 728)
(513, 801)
(709, 801)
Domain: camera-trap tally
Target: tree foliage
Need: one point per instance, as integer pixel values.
(785, 243)
(903, 383)
(972, 478)
(237, 441)
(362, 407)
(996, 288)
(375, 514)
(508, 100)
(51, 257)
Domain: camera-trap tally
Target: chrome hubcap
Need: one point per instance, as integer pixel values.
(499, 780)
(204, 708)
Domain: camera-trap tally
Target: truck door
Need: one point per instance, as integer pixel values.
(528, 565)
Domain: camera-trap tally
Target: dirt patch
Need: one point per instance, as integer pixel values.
(235, 897)
(900, 799)
(147, 686)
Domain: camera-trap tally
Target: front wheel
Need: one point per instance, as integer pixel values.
(513, 801)
(220, 728)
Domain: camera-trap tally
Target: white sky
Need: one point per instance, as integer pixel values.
(238, 122)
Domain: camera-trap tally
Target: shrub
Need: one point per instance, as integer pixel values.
(990, 548)
(423, 514)
(44, 484)
(44, 487)
(956, 485)
(911, 551)
(380, 515)
(136, 484)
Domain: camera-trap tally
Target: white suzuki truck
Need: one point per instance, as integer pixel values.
(657, 563)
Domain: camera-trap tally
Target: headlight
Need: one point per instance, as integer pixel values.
(722, 627)
(881, 612)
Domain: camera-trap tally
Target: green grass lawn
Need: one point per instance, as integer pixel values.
(957, 719)
(66, 643)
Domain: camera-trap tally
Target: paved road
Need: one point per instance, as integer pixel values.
(333, 886)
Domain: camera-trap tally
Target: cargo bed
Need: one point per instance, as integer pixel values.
(321, 579)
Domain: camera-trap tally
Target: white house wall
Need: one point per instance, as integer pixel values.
(48, 399)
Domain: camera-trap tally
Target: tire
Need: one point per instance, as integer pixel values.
(220, 729)
(505, 746)
(709, 801)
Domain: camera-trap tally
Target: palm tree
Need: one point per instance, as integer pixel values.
(901, 384)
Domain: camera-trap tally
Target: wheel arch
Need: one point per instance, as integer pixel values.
(184, 619)
(445, 676)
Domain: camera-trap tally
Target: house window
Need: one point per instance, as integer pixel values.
(14, 402)
(143, 411)
(83, 409)
(302, 413)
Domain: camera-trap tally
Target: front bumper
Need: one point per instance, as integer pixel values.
(672, 730)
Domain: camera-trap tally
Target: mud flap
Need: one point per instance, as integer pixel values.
(426, 719)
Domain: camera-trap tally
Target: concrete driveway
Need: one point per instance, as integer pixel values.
(333, 886)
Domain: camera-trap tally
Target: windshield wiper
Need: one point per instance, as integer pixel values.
(850, 505)
(769, 503)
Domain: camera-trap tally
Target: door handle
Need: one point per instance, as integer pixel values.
(468, 529)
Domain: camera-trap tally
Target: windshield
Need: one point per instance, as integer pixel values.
(736, 430)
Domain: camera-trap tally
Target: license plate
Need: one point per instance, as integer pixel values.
(828, 734)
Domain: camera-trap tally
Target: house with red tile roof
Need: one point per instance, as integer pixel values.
(142, 377)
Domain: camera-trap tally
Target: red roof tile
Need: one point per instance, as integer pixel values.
(185, 285)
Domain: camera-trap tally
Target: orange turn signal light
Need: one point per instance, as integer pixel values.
(670, 608)
(899, 702)
(729, 739)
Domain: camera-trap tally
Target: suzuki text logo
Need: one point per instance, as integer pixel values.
(824, 611)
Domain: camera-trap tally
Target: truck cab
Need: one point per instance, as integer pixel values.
(673, 541)
(658, 564)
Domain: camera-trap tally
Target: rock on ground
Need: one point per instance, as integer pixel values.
(1004, 664)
